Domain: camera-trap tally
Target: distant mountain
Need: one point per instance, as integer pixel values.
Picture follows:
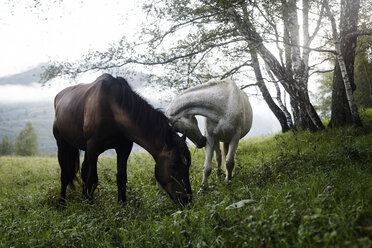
(24, 78)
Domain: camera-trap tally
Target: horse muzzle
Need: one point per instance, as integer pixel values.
(183, 200)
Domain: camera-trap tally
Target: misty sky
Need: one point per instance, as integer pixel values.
(57, 31)
(65, 30)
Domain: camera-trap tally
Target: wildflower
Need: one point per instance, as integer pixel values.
(329, 188)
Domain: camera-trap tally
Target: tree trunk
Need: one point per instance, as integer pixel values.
(349, 92)
(299, 94)
(278, 98)
(343, 109)
(265, 92)
(295, 85)
(340, 111)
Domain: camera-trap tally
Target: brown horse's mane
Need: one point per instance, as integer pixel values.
(153, 122)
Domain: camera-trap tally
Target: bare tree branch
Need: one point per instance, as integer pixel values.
(235, 69)
(321, 71)
(317, 27)
(359, 33)
(248, 85)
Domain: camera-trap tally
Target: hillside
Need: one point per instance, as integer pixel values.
(26, 77)
(13, 118)
(288, 190)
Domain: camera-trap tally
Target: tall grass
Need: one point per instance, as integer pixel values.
(300, 190)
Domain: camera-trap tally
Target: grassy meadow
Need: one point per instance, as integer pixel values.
(288, 190)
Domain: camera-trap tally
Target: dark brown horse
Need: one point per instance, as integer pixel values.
(108, 114)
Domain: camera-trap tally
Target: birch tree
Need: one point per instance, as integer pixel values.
(348, 22)
(277, 111)
(293, 70)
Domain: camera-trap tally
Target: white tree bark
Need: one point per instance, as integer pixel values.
(349, 92)
(279, 98)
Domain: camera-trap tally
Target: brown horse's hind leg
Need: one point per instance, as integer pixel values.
(91, 181)
(121, 176)
(89, 170)
(68, 158)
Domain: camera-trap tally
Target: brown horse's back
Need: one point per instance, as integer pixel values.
(85, 109)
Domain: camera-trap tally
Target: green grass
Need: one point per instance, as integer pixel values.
(302, 190)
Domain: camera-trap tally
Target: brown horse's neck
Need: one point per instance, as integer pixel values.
(154, 148)
(154, 142)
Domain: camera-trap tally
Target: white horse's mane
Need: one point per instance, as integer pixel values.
(210, 83)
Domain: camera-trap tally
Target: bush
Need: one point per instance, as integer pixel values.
(26, 142)
(6, 146)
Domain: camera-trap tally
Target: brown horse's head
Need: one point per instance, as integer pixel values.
(172, 169)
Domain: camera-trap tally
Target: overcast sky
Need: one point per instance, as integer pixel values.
(65, 30)
(57, 30)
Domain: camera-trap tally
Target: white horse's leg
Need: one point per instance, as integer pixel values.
(217, 152)
(208, 162)
(230, 163)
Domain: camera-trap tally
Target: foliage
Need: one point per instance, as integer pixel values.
(363, 81)
(323, 95)
(26, 142)
(299, 189)
(363, 72)
(6, 146)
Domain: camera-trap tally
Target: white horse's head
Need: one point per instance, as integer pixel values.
(188, 125)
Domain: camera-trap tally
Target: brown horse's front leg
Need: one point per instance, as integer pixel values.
(121, 176)
(84, 176)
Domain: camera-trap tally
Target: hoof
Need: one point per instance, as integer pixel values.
(228, 178)
(61, 204)
(219, 174)
(202, 190)
(88, 199)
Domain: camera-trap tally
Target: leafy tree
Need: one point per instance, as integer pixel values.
(26, 143)
(344, 108)
(362, 80)
(6, 146)
(323, 96)
(363, 72)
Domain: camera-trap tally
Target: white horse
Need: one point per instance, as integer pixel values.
(228, 118)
